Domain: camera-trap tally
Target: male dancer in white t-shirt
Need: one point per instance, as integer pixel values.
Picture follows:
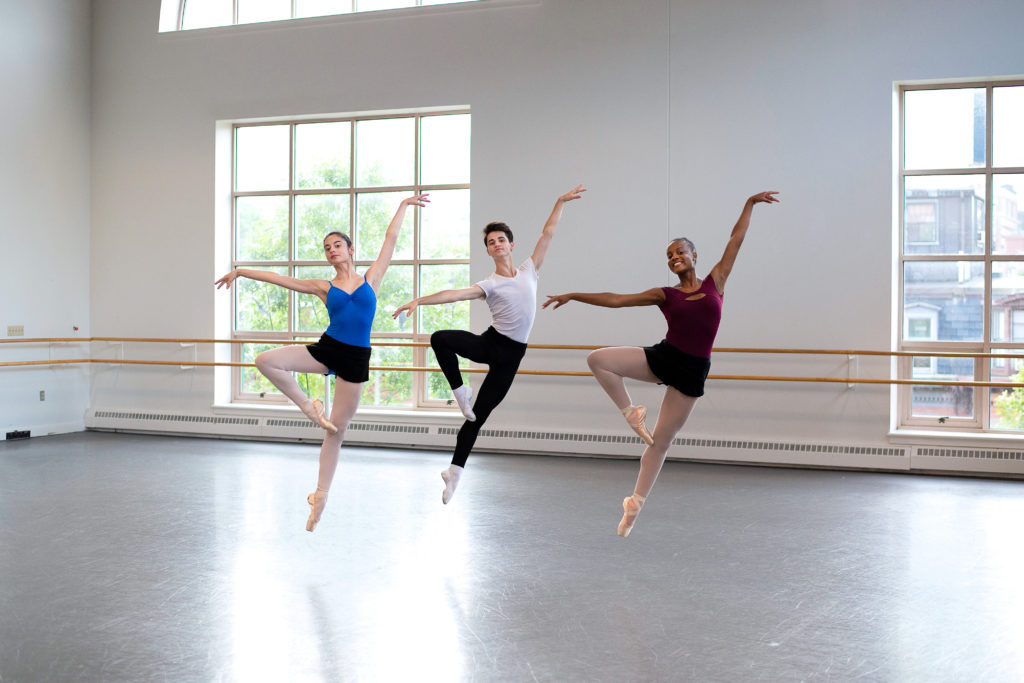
(511, 294)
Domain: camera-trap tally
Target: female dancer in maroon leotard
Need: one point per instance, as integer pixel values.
(693, 309)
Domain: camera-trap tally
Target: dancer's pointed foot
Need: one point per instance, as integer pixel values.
(317, 501)
(635, 417)
(630, 509)
(321, 419)
(451, 478)
(463, 396)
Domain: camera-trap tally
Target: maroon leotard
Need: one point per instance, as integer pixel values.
(693, 324)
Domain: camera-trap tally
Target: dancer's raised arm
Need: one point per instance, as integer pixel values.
(446, 296)
(317, 287)
(721, 270)
(375, 273)
(541, 250)
(652, 297)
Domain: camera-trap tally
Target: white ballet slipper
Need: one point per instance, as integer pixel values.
(451, 478)
(463, 396)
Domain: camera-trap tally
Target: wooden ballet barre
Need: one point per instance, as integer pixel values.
(550, 373)
(584, 347)
(66, 361)
(565, 347)
(44, 340)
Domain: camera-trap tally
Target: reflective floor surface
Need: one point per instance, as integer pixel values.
(147, 558)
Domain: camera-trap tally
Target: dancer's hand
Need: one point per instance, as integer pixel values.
(227, 280)
(557, 300)
(572, 194)
(407, 308)
(765, 197)
(417, 200)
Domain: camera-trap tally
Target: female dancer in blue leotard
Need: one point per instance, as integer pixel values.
(343, 350)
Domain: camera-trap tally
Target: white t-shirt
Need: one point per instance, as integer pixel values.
(513, 301)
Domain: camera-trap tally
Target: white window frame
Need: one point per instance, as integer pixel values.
(982, 367)
(172, 12)
(419, 359)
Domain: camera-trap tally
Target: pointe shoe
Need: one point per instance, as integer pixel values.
(630, 509)
(321, 419)
(316, 504)
(635, 419)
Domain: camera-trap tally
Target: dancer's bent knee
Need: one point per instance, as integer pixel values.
(263, 362)
(594, 360)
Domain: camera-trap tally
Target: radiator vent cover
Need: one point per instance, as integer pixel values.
(548, 436)
(791, 447)
(973, 453)
(393, 428)
(281, 422)
(164, 417)
(773, 446)
(622, 443)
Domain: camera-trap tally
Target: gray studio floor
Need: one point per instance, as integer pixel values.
(145, 558)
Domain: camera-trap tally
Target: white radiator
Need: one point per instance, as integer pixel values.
(618, 443)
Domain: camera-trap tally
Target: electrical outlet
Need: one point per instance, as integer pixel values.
(42, 395)
(15, 330)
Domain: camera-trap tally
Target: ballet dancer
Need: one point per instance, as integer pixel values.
(343, 350)
(693, 309)
(511, 294)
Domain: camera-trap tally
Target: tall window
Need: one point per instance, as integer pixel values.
(294, 182)
(192, 14)
(962, 251)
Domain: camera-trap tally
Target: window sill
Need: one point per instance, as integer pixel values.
(920, 437)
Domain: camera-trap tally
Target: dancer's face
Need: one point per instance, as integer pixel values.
(336, 250)
(498, 244)
(680, 257)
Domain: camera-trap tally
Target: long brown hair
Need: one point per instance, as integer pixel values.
(348, 240)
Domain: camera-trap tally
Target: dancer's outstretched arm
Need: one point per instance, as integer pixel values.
(721, 271)
(446, 296)
(652, 297)
(541, 250)
(317, 287)
(375, 273)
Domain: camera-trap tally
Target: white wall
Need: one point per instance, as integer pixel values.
(672, 113)
(44, 208)
(798, 96)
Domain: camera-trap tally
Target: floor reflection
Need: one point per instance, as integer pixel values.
(142, 558)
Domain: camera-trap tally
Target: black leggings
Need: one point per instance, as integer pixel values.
(502, 354)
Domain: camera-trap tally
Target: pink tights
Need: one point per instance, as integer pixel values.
(610, 366)
(278, 364)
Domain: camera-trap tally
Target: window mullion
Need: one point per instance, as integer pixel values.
(983, 367)
(292, 296)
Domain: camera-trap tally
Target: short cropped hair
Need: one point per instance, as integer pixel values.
(497, 226)
(686, 241)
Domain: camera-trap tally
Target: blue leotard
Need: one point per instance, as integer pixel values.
(351, 314)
